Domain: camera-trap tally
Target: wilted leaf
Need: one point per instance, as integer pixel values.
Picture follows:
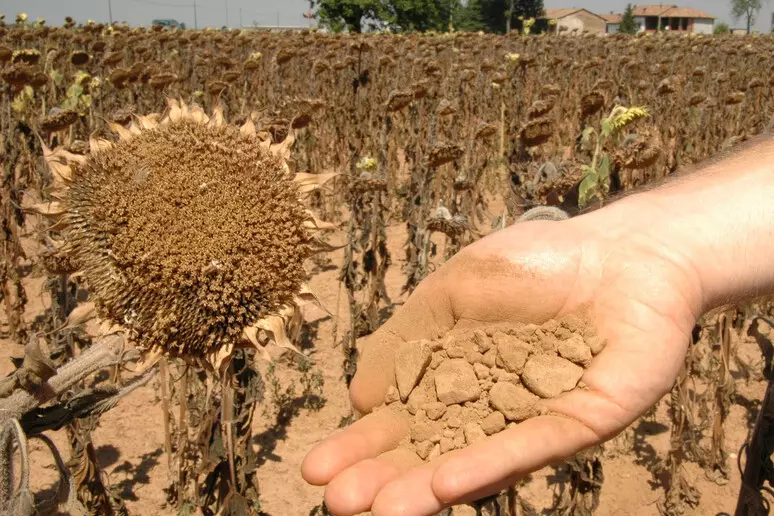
(314, 223)
(81, 314)
(310, 182)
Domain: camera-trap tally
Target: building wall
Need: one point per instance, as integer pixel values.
(641, 22)
(582, 21)
(703, 26)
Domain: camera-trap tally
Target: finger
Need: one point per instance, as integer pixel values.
(367, 438)
(485, 467)
(411, 494)
(353, 490)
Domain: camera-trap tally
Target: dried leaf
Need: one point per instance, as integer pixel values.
(99, 145)
(120, 130)
(314, 223)
(248, 128)
(310, 182)
(274, 326)
(282, 150)
(198, 114)
(217, 119)
(52, 209)
(251, 334)
(81, 314)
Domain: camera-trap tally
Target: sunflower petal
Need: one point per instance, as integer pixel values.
(120, 130)
(282, 150)
(274, 326)
(251, 334)
(248, 128)
(217, 118)
(175, 113)
(198, 114)
(148, 122)
(320, 246)
(308, 183)
(81, 314)
(52, 209)
(97, 145)
(314, 223)
(221, 358)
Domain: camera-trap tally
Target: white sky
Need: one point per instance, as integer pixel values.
(267, 12)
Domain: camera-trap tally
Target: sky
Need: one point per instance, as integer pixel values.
(217, 13)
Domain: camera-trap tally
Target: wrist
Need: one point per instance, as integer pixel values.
(717, 226)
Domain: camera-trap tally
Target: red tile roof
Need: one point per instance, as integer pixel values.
(652, 10)
(612, 18)
(555, 14)
(671, 11)
(687, 12)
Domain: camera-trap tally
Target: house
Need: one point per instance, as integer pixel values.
(652, 18)
(612, 21)
(574, 21)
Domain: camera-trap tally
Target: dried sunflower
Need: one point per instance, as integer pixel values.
(191, 233)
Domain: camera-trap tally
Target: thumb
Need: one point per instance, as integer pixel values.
(426, 314)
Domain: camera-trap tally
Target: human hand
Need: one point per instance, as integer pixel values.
(643, 300)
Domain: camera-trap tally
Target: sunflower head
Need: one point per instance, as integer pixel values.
(190, 232)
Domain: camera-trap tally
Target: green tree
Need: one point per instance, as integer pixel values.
(747, 10)
(420, 15)
(502, 15)
(628, 24)
(347, 14)
(722, 28)
(469, 17)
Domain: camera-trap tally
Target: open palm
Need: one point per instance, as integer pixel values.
(642, 301)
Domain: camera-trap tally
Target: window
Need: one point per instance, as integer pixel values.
(651, 23)
(674, 23)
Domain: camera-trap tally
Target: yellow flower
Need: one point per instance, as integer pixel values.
(366, 163)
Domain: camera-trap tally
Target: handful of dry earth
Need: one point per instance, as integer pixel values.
(473, 383)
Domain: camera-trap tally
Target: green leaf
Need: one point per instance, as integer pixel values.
(607, 127)
(74, 91)
(70, 103)
(57, 77)
(604, 170)
(588, 186)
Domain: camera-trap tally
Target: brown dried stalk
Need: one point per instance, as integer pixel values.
(680, 494)
(717, 461)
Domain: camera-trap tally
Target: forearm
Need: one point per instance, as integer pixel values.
(720, 219)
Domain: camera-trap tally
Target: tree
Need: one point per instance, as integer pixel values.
(746, 9)
(347, 14)
(469, 17)
(628, 24)
(722, 28)
(420, 15)
(500, 16)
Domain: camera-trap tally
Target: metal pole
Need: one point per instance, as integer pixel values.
(196, 23)
(110, 11)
